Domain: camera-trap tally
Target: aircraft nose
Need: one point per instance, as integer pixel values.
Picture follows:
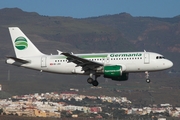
(169, 64)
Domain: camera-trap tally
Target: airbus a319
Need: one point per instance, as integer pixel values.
(115, 66)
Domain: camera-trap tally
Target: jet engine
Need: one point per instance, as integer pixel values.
(115, 73)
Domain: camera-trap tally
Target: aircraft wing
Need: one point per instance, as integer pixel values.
(84, 63)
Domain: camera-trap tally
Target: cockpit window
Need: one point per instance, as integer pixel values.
(160, 57)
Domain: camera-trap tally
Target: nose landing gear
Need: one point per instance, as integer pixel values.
(147, 77)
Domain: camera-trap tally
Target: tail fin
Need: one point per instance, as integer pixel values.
(23, 47)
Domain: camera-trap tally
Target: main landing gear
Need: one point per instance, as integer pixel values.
(90, 80)
(147, 77)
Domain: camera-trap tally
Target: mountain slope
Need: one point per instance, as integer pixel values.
(110, 33)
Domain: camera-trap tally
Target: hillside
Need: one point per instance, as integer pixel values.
(152, 34)
(66, 33)
(109, 33)
(120, 32)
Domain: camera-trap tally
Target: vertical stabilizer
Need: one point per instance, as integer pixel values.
(23, 47)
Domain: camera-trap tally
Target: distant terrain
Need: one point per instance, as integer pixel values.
(108, 33)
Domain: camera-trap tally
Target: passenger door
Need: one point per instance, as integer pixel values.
(146, 58)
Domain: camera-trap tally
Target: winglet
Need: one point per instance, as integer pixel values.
(59, 52)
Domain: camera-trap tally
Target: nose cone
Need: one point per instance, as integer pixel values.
(169, 64)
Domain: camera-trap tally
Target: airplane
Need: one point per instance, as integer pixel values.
(115, 66)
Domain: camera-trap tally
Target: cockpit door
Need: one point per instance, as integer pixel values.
(146, 58)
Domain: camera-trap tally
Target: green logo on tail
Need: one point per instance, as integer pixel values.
(21, 43)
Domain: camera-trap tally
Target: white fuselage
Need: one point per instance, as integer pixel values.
(130, 62)
(116, 66)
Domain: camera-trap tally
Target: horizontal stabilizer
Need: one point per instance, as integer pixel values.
(14, 60)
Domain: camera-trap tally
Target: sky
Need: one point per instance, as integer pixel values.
(94, 8)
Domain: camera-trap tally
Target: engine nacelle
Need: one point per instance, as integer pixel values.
(115, 73)
(123, 77)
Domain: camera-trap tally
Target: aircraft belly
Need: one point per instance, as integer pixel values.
(132, 68)
(137, 67)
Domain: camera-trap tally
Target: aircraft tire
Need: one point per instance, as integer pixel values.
(95, 83)
(90, 80)
(148, 80)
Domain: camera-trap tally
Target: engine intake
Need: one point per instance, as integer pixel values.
(115, 73)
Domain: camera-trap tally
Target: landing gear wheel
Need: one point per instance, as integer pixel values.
(148, 80)
(95, 83)
(147, 77)
(90, 80)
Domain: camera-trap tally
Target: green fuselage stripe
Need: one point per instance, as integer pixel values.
(93, 56)
(81, 56)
